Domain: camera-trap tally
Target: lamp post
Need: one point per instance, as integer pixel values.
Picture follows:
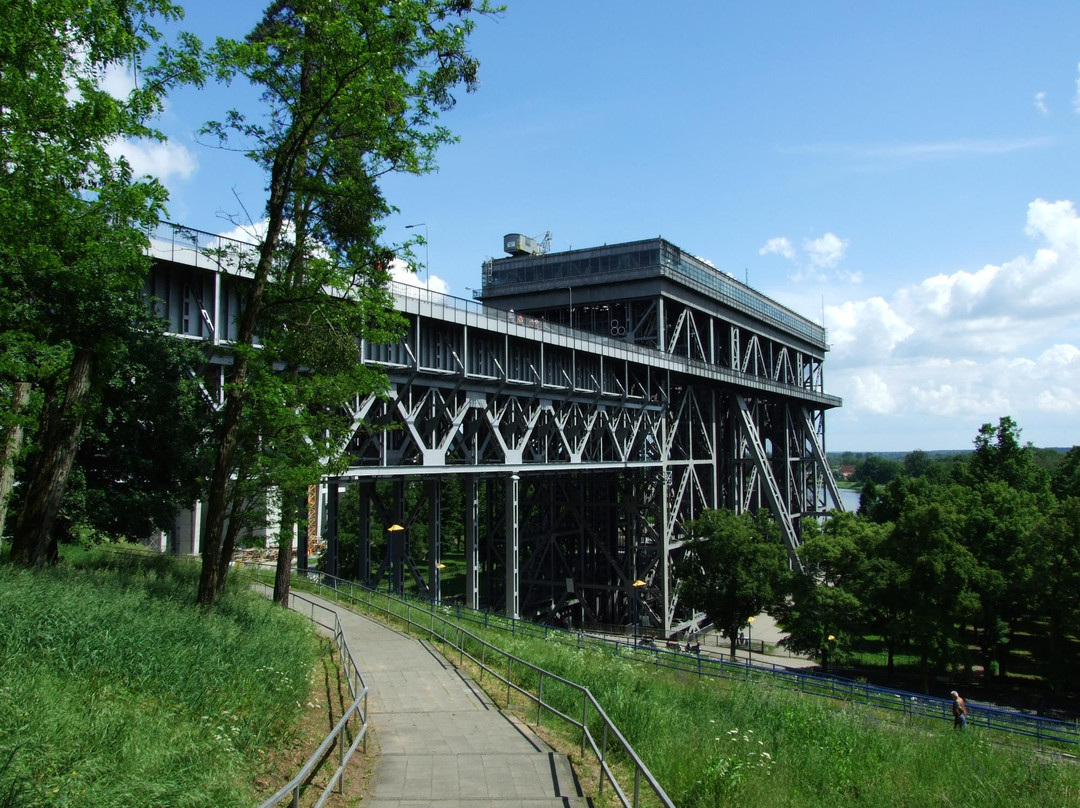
(438, 584)
(638, 584)
(391, 554)
(750, 647)
(427, 262)
(570, 289)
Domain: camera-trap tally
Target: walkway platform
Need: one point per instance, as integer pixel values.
(440, 739)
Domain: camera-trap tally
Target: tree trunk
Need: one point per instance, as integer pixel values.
(282, 573)
(229, 437)
(289, 158)
(733, 641)
(236, 514)
(45, 493)
(11, 448)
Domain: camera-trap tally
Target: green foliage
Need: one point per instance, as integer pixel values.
(999, 455)
(967, 553)
(839, 597)
(116, 691)
(73, 220)
(1066, 478)
(1054, 585)
(734, 568)
(878, 469)
(352, 91)
(141, 456)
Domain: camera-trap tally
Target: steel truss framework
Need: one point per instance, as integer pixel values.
(582, 455)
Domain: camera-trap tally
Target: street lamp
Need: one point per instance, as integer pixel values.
(391, 541)
(570, 289)
(427, 263)
(750, 647)
(438, 584)
(638, 584)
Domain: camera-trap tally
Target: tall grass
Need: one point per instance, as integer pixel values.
(116, 690)
(715, 743)
(722, 742)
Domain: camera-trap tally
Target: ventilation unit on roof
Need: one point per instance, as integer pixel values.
(517, 244)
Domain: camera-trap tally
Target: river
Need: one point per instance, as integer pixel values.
(850, 499)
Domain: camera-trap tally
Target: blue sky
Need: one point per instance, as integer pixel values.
(908, 171)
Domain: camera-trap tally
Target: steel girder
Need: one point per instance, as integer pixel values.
(615, 446)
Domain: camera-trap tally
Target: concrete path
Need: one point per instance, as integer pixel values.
(441, 741)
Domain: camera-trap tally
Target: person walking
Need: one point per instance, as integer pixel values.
(959, 711)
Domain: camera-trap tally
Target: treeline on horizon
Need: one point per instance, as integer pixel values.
(881, 467)
(966, 565)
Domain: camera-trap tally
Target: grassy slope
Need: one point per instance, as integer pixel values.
(712, 743)
(115, 690)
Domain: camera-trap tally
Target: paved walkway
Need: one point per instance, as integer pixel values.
(440, 739)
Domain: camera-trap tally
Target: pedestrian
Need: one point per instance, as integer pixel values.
(959, 711)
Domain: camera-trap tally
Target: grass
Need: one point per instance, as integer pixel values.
(116, 690)
(711, 743)
(721, 742)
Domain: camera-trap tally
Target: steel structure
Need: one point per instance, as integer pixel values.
(582, 452)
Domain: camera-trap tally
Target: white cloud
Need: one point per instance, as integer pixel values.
(778, 246)
(817, 254)
(899, 154)
(165, 160)
(1040, 104)
(827, 251)
(401, 272)
(968, 347)
(118, 81)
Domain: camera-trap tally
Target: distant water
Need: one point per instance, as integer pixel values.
(850, 498)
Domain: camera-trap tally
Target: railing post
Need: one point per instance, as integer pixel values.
(584, 718)
(540, 699)
(341, 761)
(603, 759)
(509, 674)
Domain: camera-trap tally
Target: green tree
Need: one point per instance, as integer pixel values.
(935, 579)
(916, 463)
(998, 531)
(1066, 480)
(734, 568)
(72, 222)
(143, 450)
(842, 594)
(999, 455)
(353, 91)
(1055, 586)
(879, 469)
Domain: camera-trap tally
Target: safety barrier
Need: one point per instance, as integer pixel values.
(358, 691)
(1045, 732)
(606, 742)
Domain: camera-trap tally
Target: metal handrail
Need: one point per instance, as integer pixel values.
(446, 628)
(908, 704)
(358, 690)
